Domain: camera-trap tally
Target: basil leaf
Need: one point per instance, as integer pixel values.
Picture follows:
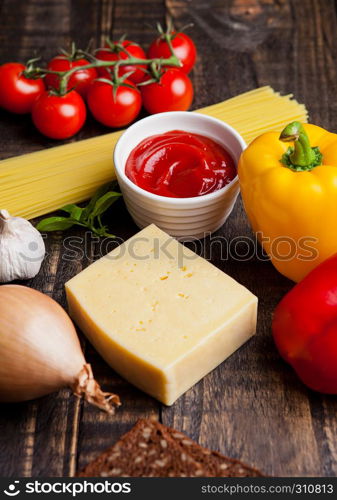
(74, 211)
(68, 208)
(103, 203)
(100, 192)
(85, 217)
(55, 224)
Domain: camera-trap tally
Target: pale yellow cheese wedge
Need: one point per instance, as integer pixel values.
(159, 314)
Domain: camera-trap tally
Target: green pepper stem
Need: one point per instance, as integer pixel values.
(303, 154)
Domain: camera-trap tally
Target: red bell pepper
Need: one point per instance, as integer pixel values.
(305, 328)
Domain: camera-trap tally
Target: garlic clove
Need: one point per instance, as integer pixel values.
(22, 248)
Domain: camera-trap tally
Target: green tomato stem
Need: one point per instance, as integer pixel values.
(97, 63)
(134, 61)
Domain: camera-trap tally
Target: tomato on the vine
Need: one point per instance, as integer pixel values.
(114, 107)
(122, 50)
(173, 92)
(183, 47)
(17, 92)
(59, 116)
(79, 81)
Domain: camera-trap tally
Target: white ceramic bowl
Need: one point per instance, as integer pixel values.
(184, 218)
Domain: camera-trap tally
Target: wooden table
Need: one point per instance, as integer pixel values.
(251, 407)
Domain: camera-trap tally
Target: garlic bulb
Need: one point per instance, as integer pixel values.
(22, 248)
(40, 351)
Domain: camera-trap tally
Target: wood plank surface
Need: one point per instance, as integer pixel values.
(252, 407)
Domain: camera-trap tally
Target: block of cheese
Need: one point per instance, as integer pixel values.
(159, 314)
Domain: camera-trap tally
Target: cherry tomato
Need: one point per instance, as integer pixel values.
(79, 81)
(183, 48)
(115, 53)
(17, 93)
(114, 111)
(59, 117)
(174, 92)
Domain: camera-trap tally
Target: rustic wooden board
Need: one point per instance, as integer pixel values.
(252, 407)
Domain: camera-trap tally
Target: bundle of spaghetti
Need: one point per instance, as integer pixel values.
(41, 182)
(258, 111)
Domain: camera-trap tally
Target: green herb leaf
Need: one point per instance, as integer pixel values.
(55, 224)
(74, 210)
(104, 202)
(99, 193)
(89, 216)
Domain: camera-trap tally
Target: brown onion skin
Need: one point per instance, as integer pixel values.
(40, 350)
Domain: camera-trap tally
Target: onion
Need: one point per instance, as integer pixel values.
(40, 350)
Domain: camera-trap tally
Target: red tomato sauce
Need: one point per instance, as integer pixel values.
(180, 164)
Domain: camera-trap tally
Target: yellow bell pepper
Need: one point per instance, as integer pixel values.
(290, 196)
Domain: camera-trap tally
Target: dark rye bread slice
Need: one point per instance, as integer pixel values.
(216, 464)
(147, 450)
